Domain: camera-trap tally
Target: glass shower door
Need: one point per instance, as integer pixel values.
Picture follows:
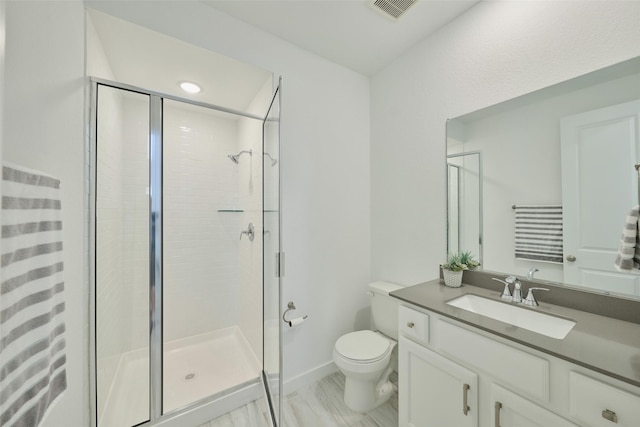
(273, 261)
(122, 234)
(211, 265)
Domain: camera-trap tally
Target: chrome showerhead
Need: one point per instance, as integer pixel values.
(235, 158)
(273, 161)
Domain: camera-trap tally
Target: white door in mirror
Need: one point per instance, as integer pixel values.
(598, 192)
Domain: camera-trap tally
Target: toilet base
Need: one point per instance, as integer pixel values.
(365, 395)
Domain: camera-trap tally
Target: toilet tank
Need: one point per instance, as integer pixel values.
(384, 308)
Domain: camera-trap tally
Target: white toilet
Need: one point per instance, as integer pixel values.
(365, 357)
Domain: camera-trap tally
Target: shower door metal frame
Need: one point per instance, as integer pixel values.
(155, 259)
(279, 270)
(155, 241)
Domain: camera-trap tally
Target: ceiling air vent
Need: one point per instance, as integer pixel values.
(392, 8)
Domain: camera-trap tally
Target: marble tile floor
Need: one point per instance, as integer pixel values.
(317, 405)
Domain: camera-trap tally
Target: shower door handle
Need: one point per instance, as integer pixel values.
(250, 231)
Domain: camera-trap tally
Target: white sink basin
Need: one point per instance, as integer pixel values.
(541, 323)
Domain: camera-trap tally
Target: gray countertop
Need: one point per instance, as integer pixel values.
(600, 343)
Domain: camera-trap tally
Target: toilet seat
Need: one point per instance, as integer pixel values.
(363, 347)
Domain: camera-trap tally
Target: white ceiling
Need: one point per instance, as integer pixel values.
(347, 32)
(140, 57)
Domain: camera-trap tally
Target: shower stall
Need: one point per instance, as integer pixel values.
(185, 248)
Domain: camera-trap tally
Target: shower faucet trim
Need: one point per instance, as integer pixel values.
(250, 232)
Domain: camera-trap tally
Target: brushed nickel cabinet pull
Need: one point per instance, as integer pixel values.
(610, 415)
(465, 393)
(497, 408)
(410, 324)
(571, 258)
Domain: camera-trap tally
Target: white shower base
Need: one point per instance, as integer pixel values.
(194, 368)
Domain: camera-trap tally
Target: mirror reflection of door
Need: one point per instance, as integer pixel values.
(599, 187)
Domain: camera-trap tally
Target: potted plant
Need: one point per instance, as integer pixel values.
(453, 269)
(468, 259)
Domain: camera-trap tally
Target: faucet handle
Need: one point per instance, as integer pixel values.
(506, 293)
(512, 279)
(531, 299)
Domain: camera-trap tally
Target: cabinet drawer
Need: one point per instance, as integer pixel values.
(597, 404)
(516, 368)
(413, 324)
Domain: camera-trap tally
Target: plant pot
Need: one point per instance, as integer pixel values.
(453, 279)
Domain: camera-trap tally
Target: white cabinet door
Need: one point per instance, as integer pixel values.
(511, 410)
(596, 404)
(434, 391)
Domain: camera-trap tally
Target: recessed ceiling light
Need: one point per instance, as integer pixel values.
(190, 87)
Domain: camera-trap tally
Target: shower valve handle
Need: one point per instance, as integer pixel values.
(250, 231)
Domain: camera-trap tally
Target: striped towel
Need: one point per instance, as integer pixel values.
(538, 231)
(628, 257)
(32, 344)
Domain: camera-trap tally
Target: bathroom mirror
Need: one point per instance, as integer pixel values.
(568, 149)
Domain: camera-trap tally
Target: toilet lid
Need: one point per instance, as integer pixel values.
(362, 345)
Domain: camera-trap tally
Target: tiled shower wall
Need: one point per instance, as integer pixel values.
(251, 185)
(249, 310)
(135, 199)
(212, 279)
(201, 243)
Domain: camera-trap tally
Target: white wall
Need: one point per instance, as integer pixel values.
(494, 52)
(43, 129)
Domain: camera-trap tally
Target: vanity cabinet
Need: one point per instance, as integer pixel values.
(455, 375)
(438, 391)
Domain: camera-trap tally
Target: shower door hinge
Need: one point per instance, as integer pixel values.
(279, 264)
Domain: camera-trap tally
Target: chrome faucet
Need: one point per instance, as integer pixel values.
(516, 296)
(517, 288)
(531, 272)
